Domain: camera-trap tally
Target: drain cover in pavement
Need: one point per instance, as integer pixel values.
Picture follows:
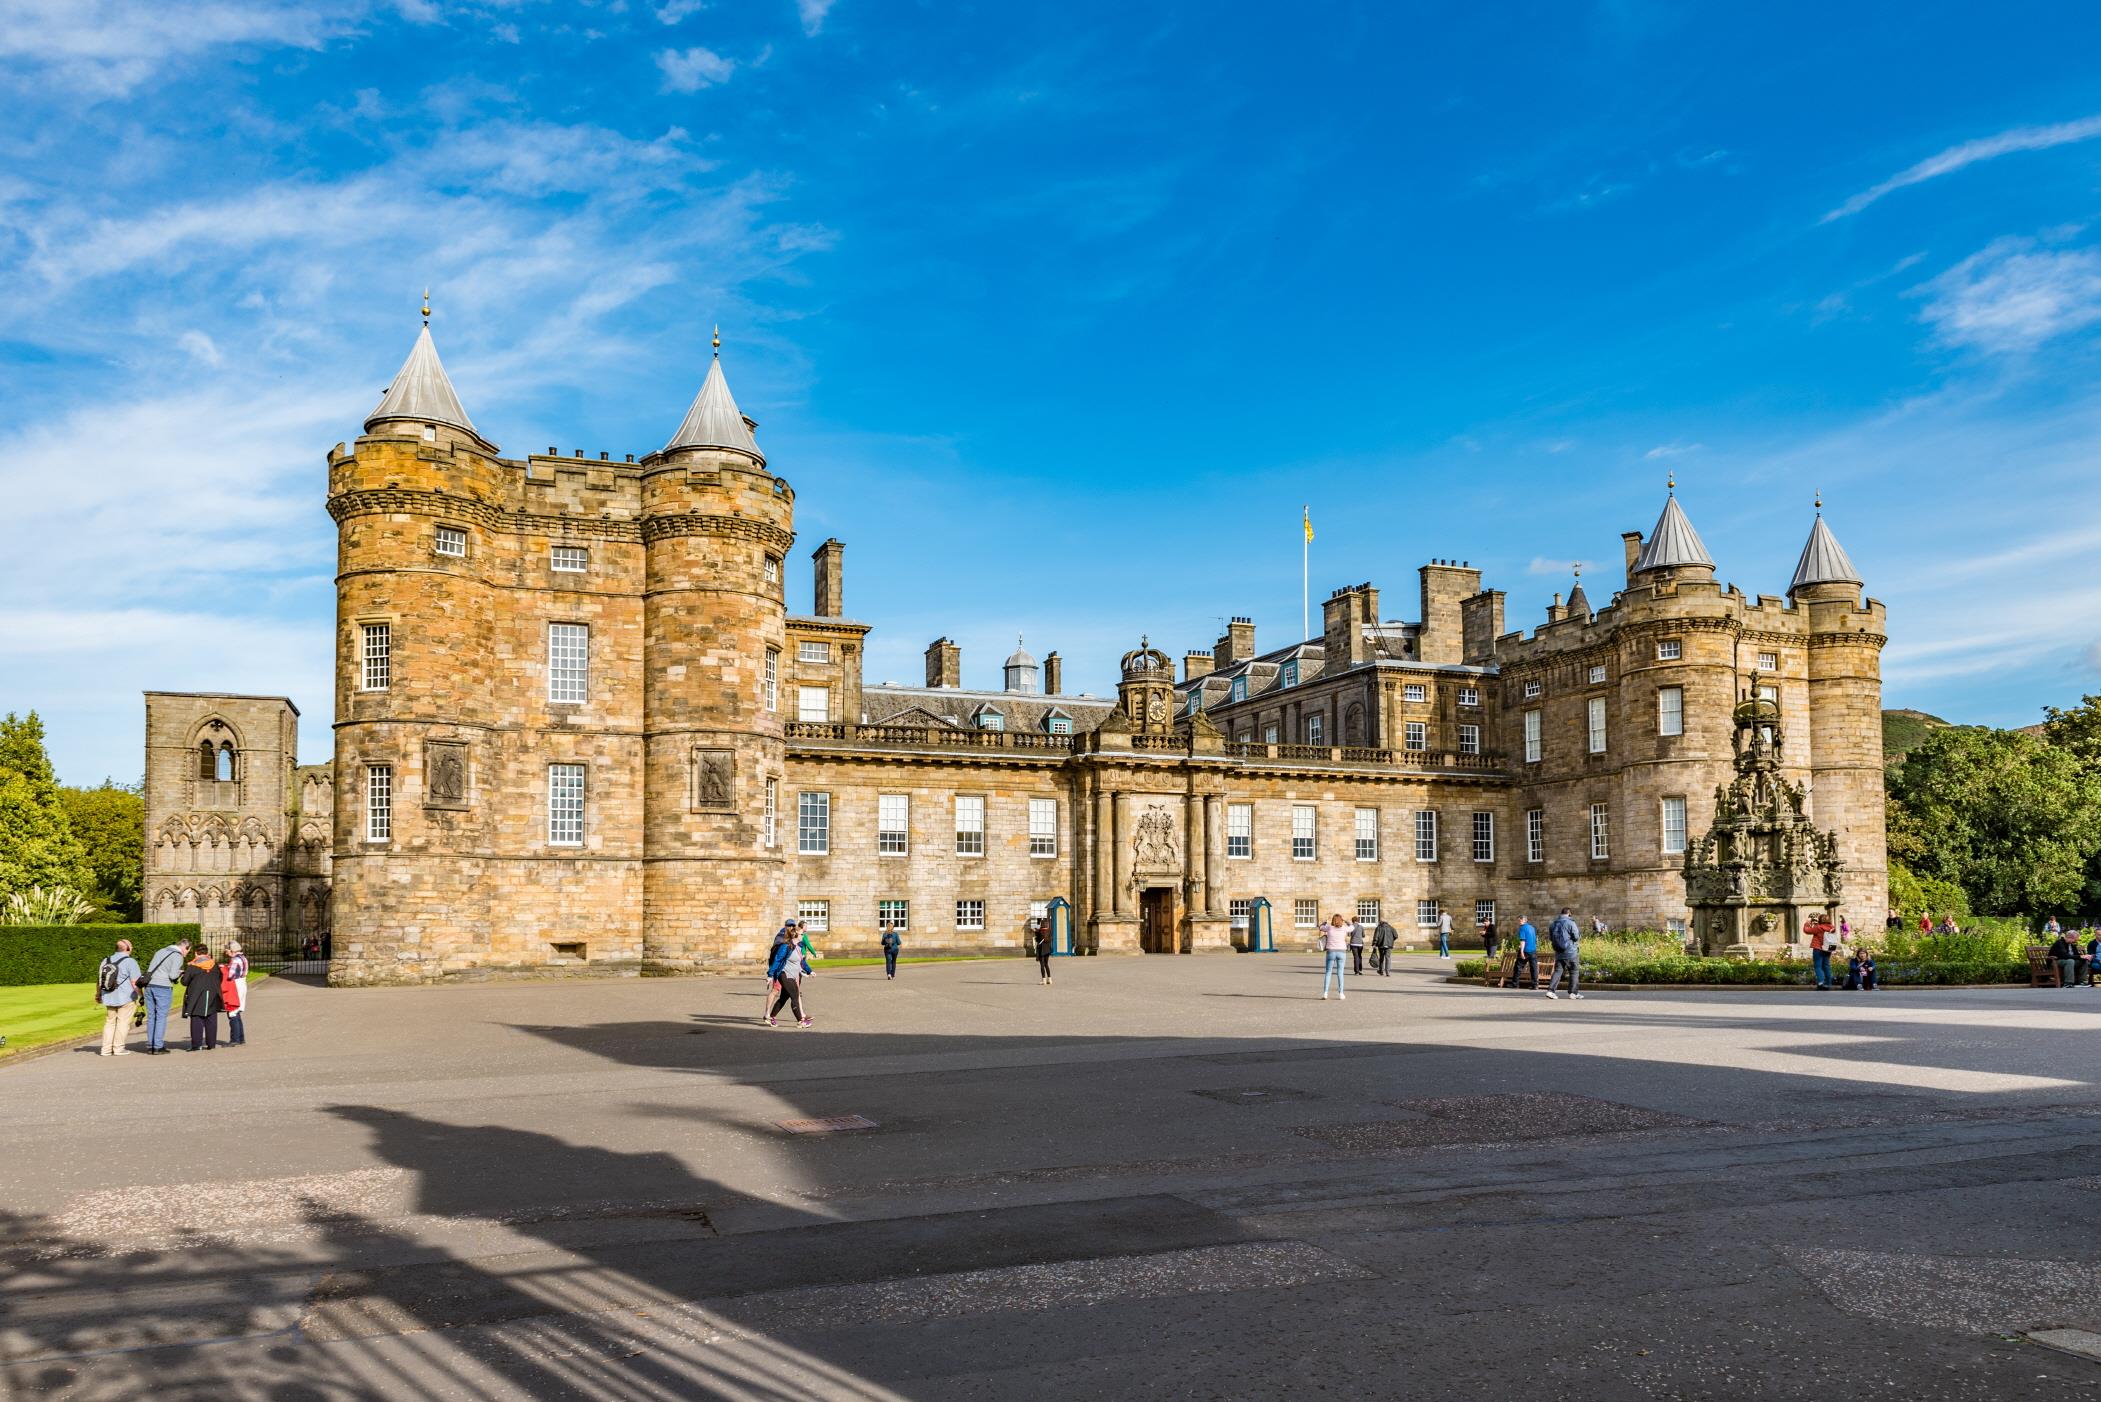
(829, 1124)
(1256, 1095)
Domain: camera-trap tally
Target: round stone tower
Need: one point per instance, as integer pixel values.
(1846, 794)
(413, 502)
(716, 527)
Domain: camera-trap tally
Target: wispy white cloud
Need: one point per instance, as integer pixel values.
(1970, 153)
(2013, 295)
(677, 11)
(812, 14)
(1541, 565)
(690, 70)
(1673, 450)
(109, 47)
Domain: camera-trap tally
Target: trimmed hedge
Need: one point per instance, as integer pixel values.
(1893, 972)
(71, 953)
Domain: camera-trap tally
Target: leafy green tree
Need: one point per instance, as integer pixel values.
(37, 845)
(110, 821)
(2012, 819)
(2077, 730)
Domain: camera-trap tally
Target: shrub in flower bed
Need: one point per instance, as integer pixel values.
(1607, 968)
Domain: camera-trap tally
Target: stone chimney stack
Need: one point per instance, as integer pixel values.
(1053, 675)
(1196, 663)
(830, 575)
(1631, 541)
(1481, 623)
(944, 663)
(1236, 644)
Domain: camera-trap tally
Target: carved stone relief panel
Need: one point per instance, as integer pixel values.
(446, 782)
(714, 780)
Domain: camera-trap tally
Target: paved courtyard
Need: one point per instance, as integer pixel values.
(1164, 1177)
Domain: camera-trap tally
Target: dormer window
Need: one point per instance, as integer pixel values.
(1058, 724)
(991, 720)
(1288, 674)
(1240, 688)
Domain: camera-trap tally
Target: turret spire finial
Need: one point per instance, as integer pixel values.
(718, 342)
(426, 306)
(1820, 499)
(1670, 481)
(1579, 571)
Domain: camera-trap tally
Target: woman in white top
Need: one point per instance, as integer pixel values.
(1335, 944)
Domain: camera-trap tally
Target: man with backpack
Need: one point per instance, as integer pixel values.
(1382, 942)
(1567, 941)
(116, 989)
(161, 972)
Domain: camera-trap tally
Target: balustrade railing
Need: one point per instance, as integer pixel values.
(923, 737)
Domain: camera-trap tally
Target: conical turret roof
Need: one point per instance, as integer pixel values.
(1673, 542)
(1578, 601)
(422, 391)
(714, 421)
(1824, 560)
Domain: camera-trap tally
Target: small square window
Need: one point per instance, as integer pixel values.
(1059, 725)
(1669, 650)
(1426, 913)
(1532, 689)
(815, 914)
(970, 915)
(1368, 912)
(893, 915)
(568, 559)
(1769, 693)
(1240, 911)
(451, 541)
(1484, 912)
(1469, 695)
(1305, 915)
(813, 703)
(813, 652)
(1597, 674)
(1414, 691)
(1768, 661)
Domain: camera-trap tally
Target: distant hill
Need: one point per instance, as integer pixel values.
(1903, 729)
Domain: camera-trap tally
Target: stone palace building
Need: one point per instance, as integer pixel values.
(576, 726)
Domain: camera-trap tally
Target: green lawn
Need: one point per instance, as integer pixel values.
(42, 1013)
(47, 1012)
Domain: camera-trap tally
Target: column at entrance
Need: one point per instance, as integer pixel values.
(1115, 922)
(1210, 926)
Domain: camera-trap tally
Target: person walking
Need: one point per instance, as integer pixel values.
(162, 970)
(1488, 939)
(1382, 941)
(1041, 947)
(1357, 948)
(201, 1000)
(784, 935)
(116, 989)
(1819, 931)
(237, 1006)
(789, 965)
(1444, 933)
(1568, 955)
(891, 944)
(1527, 954)
(1334, 940)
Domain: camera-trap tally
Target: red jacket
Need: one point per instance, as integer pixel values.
(229, 989)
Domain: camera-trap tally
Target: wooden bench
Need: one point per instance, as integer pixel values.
(2042, 969)
(1505, 974)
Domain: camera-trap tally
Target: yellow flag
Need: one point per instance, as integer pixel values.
(1308, 516)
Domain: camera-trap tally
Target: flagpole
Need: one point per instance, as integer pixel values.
(1305, 569)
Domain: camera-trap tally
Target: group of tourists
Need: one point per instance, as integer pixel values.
(132, 996)
(2077, 954)
(1343, 941)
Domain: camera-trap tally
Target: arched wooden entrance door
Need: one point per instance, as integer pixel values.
(1159, 923)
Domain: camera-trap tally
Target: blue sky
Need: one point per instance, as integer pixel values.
(1057, 314)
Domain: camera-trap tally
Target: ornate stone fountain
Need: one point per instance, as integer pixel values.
(1763, 868)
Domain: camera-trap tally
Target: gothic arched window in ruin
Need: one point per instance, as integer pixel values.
(223, 768)
(207, 762)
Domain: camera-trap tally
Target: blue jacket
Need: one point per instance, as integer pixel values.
(890, 939)
(1563, 933)
(1527, 938)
